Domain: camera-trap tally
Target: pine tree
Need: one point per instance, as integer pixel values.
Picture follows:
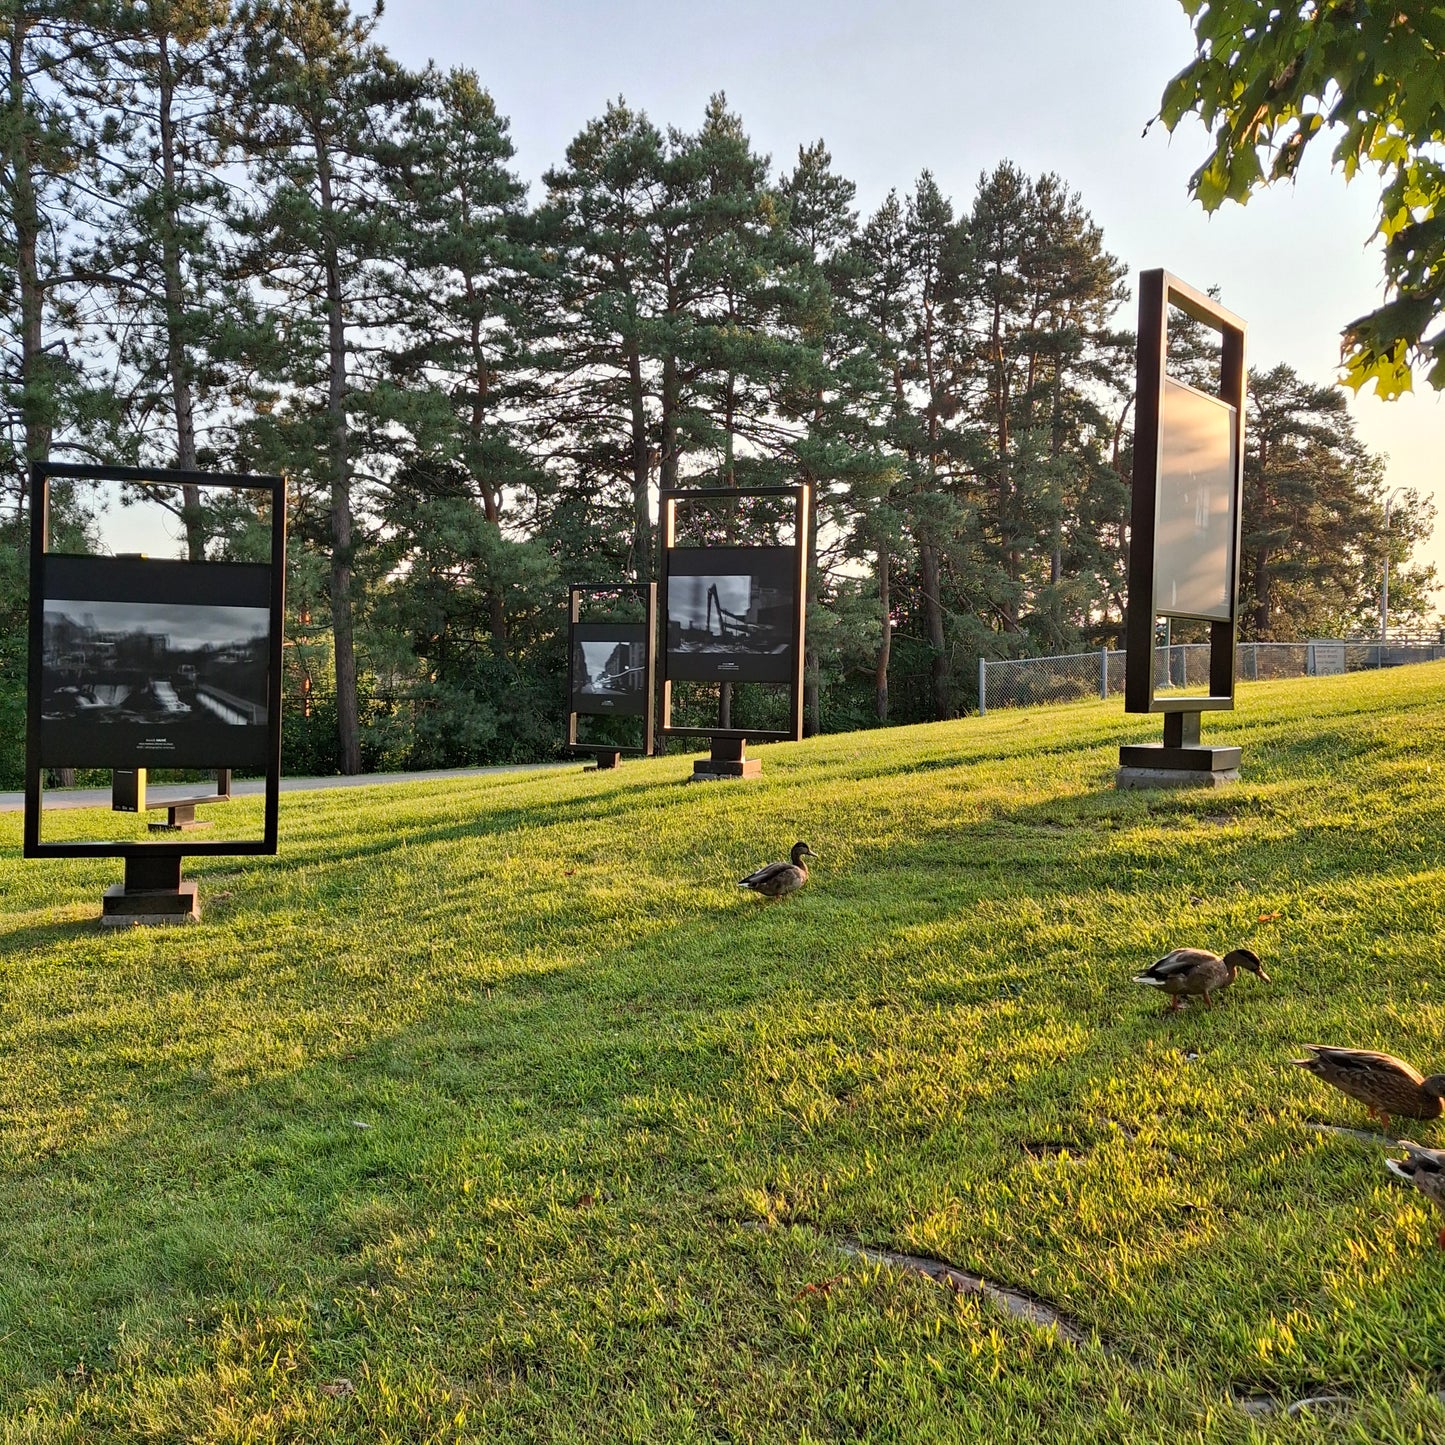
(321, 99)
(607, 230)
(457, 365)
(157, 260)
(937, 448)
(835, 401)
(1041, 292)
(1314, 533)
(877, 268)
(46, 198)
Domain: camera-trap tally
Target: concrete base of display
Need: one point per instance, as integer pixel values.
(153, 892)
(729, 760)
(124, 908)
(1180, 761)
(1127, 778)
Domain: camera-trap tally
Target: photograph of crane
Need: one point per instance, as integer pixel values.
(731, 613)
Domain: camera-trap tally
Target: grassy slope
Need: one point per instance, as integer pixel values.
(615, 1112)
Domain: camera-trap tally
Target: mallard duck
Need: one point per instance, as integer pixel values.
(1425, 1169)
(777, 880)
(1384, 1084)
(1197, 973)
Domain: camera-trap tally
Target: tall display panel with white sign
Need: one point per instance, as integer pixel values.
(1184, 537)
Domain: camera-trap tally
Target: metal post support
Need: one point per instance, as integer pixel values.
(982, 687)
(1103, 673)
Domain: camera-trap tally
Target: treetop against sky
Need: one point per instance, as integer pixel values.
(921, 84)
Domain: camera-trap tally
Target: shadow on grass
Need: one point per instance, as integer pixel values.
(218, 1190)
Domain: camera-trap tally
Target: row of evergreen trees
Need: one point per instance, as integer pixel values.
(242, 236)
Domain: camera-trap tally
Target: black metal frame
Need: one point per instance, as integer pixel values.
(802, 496)
(1158, 290)
(647, 591)
(161, 859)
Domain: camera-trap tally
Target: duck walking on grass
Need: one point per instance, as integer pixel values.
(1384, 1084)
(1425, 1169)
(777, 880)
(1197, 973)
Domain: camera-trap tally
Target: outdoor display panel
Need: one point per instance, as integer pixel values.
(154, 664)
(1194, 519)
(141, 662)
(1184, 536)
(611, 666)
(1185, 515)
(731, 614)
(734, 614)
(609, 669)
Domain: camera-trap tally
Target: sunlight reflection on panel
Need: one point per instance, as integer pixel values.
(1194, 530)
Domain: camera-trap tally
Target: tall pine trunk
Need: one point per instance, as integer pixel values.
(491, 501)
(177, 362)
(812, 695)
(1261, 595)
(933, 611)
(641, 469)
(36, 410)
(885, 641)
(348, 720)
(35, 406)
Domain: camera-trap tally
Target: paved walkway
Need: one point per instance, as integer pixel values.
(242, 787)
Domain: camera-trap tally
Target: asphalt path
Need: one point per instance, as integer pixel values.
(245, 787)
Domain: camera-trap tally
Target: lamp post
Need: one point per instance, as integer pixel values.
(1385, 576)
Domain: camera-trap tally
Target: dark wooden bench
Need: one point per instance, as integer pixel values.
(181, 812)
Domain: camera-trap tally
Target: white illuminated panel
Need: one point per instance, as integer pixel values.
(1194, 521)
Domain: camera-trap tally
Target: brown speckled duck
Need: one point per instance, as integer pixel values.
(1197, 973)
(777, 880)
(1384, 1084)
(1425, 1169)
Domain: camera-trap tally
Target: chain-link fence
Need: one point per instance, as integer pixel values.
(1027, 681)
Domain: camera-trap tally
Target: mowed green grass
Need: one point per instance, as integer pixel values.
(494, 1110)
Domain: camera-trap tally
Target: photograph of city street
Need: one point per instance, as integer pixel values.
(609, 674)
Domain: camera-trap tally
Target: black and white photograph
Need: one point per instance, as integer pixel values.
(609, 669)
(731, 614)
(122, 679)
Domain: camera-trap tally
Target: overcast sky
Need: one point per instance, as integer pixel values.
(954, 86)
(185, 626)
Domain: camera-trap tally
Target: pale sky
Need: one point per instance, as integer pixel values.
(895, 87)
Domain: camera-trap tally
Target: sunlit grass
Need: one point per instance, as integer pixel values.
(492, 1110)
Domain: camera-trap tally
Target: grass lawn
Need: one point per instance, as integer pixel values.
(494, 1111)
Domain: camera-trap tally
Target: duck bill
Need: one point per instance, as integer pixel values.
(1264, 978)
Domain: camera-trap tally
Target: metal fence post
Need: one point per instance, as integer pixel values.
(1103, 673)
(982, 687)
